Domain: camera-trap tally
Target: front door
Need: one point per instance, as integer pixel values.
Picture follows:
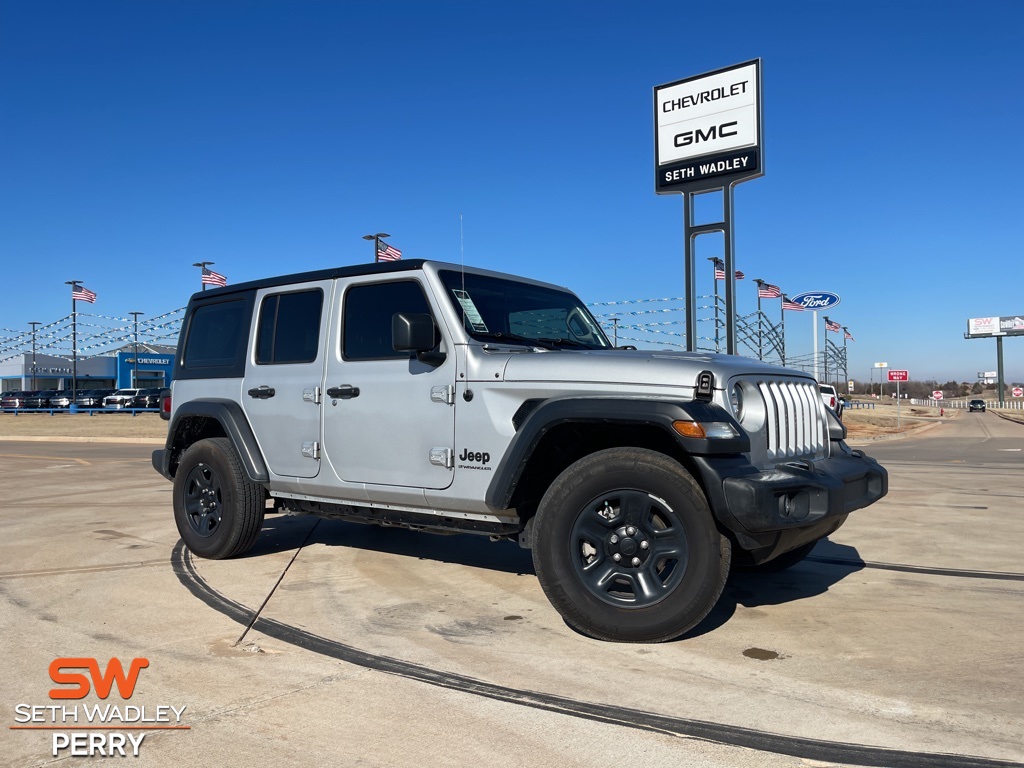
(389, 419)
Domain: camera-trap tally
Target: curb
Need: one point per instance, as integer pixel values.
(63, 439)
(896, 436)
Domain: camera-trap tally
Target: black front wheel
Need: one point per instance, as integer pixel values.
(626, 549)
(217, 508)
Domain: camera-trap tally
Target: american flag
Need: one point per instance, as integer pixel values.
(213, 278)
(81, 293)
(849, 336)
(387, 252)
(720, 271)
(768, 291)
(833, 326)
(788, 303)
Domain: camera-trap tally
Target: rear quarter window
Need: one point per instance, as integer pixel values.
(215, 339)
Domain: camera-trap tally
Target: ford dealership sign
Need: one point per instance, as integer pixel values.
(815, 300)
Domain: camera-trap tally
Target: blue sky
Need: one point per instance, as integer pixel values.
(269, 136)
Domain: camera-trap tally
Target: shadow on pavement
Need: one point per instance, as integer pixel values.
(750, 589)
(807, 578)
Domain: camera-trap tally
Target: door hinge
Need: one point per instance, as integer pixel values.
(442, 457)
(312, 395)
(311, 449)
(443, 394)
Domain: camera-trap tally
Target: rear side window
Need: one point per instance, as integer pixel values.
(368, 313)
(289, 329)
(213, 335)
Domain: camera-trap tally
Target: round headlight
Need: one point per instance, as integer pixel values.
(736, 399)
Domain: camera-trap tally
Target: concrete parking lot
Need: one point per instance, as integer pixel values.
(897, 643)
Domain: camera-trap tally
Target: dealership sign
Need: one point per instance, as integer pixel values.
(707, 130)
(996, 326)
(816, 300)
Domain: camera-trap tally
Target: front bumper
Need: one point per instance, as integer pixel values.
(771, 512)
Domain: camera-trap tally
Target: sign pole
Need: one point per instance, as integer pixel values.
(730, 271)
(897, 405)
(689, 275)
(999, 369)
(815, 313)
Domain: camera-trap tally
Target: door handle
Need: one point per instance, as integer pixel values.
(344, 392)
(262, 392)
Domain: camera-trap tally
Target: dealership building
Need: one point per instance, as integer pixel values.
(152, 367)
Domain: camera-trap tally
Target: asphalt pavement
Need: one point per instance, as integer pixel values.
(896, 643)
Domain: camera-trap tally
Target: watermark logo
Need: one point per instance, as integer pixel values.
(107, 729)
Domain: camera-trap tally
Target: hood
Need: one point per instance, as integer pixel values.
(637, 367)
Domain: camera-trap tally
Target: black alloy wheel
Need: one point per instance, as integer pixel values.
(626, 548)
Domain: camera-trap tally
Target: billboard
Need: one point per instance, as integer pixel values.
(707, 130)
(995, 326)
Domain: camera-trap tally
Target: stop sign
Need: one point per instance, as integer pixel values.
(937, 394)
(1018, 392)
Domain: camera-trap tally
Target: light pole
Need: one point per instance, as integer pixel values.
(615, 332)
(33, 323)
(135, 380)
(202, 268)
(376, 243)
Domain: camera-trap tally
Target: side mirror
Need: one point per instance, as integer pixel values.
(414, 332)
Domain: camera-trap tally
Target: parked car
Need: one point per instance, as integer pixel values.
(976, 405)
(62, 399)
(15, 399)
(40, 399)
(92, 398)
(122, 398)
(831, 399)
(147, 398)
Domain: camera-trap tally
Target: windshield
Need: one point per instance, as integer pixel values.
(495, 309)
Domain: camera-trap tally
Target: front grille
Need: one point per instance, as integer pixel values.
(795, 425)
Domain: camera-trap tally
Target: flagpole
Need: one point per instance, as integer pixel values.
(714, 265)
(758, 283)
(74, 339)
(376, 244)
(782, 324)
(202, 267)
(846, 360)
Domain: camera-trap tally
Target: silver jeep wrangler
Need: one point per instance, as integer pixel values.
(448, 399)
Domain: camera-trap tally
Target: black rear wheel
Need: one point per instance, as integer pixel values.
(626, 549)
(217, 508)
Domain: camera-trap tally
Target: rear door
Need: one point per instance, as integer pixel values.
(284, 368)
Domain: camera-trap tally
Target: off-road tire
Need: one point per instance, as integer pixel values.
(217, 508)
(671, 569)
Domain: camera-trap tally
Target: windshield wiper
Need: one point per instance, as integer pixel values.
(566, 343)
(512, 338)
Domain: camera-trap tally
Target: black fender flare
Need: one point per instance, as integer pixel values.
(233, 422)
(608, 410)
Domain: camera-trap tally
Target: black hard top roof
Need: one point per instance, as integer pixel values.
(357, 270)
